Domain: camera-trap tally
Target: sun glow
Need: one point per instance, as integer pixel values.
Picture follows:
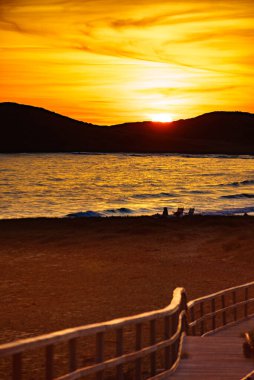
(127, 61)
(162, 118)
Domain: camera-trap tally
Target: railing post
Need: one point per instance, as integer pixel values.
(192, 317)
(214, 315)
(99, 352)
(234, 303)
(49, 362)
(223, 303)
(138, 346)
(202, 327)
(174, 348)
(119, 352)
(184, 302)
(152, 342)
(171, 333)
(184, 323)
(72, 354)
(184, 307)
(246, 297)
(17, 366)
(167, 336)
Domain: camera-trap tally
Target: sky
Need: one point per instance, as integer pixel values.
(112, 61)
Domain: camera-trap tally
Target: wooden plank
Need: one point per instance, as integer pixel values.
(234, 329)
(217, 357)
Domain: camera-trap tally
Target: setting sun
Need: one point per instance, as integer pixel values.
(162, 118)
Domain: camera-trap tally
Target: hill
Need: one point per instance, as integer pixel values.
(31, 129)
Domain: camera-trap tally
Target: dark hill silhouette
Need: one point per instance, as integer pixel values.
(31, 129)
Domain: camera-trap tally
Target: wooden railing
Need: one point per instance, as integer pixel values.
(250, 376)
(215, 311)
(154, 358)
(168, 345)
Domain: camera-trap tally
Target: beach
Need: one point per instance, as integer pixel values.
(59, 273)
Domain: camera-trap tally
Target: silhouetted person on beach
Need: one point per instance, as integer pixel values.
(165, 212)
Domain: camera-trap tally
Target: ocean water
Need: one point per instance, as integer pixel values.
(56, 185)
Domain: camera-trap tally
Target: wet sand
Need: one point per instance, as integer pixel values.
(59, 273)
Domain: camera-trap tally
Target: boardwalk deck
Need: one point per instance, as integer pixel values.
(235, 330)
(215, 357)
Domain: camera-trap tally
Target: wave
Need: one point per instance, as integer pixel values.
(194, 155)
(197, 192)
(238, 196)
(95, 214)
(6, 170)
(184, 155)
(125, 212)
(121, 210)
(241, 183)
(56, 179)
(88, 153)
(231, 211)
(86, 214)
(159, 195)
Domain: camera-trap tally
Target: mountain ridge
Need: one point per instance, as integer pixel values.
(26, 128)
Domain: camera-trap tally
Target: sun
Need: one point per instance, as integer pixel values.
(162, 118)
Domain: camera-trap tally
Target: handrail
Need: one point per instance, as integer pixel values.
(248, 376)
(165, 374)
(216, 311)
(175, 325)
(128, 357)
(221, 292)
(82, 331)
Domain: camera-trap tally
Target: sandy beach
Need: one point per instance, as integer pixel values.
(58, 273)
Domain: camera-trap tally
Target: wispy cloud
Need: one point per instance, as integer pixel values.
(188, 90)
(206, 45)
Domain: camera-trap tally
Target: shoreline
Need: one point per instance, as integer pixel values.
(68, 272)
(158, 216)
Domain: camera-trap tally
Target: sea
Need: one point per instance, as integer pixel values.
(95, 184)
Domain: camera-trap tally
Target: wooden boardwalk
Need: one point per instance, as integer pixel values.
(216, 356)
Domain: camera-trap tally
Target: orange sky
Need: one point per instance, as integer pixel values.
(110, 61)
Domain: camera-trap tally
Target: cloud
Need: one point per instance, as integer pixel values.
(187, 90)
